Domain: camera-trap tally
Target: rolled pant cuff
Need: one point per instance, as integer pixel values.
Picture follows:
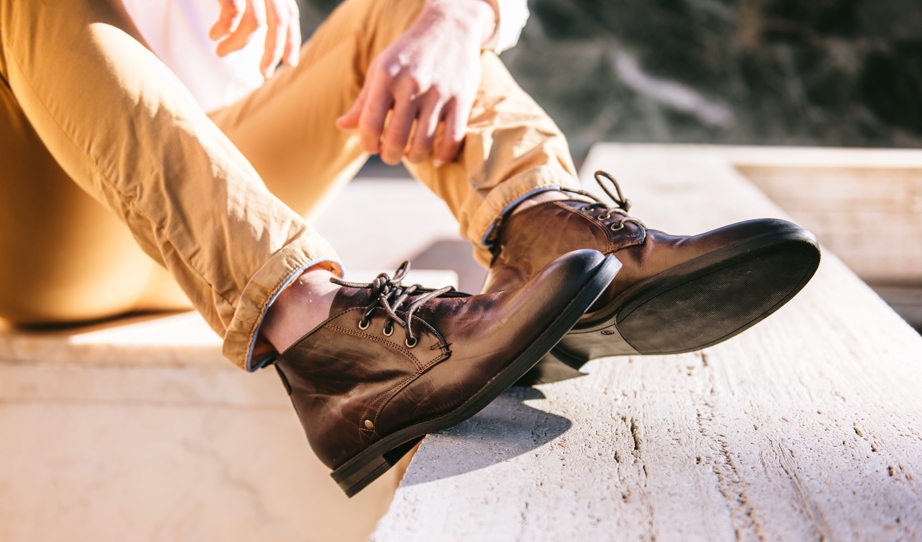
(242, 344)
(506, 196)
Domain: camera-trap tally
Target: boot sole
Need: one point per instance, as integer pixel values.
(699, 303)
(375, 460)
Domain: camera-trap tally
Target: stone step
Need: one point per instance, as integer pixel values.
(138, 429)
(807, 426)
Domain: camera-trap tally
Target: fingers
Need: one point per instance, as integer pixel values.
(455, 126)
(293, 44)
(350, 120)
(231, 13)
(277, 19)
(398, 131)
(253, 17)
(240, 19)
(389, 106)
(426, 125)
(378, 101)
(369, 114)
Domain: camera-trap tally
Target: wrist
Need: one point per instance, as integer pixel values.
(477, 18)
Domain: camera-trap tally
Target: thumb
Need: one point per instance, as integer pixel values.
(350, 120)
(229, 19)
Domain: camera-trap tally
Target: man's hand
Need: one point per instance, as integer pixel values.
(428, 77)
(240, 19)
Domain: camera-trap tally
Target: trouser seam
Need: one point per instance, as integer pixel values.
(112, 186)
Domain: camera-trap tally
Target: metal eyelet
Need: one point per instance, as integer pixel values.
(604, 216)
(411, 344)
(616, 227)
(363, 324)
(388, 330)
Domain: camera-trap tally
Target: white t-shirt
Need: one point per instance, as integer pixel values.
(177, 31)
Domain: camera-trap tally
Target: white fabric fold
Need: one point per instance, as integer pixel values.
(177, 32)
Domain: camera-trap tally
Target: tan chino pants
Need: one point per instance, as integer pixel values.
(110, 172)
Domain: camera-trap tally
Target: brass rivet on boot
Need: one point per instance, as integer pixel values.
(369, 425)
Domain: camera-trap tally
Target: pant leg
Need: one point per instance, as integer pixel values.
(63, 256)
(127, 132)
(286, 128)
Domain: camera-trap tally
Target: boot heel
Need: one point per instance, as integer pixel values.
(555, 366)
(356, 474)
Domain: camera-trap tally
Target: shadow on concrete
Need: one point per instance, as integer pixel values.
(506, 428)
(88, 326)
(453, 254)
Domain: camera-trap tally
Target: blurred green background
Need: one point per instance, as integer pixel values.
(797, 72)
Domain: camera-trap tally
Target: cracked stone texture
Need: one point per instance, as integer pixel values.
(824, 72)
(806, 427)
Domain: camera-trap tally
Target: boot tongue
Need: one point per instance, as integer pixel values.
(349, 298)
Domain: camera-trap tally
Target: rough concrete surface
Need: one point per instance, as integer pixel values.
(806, 427)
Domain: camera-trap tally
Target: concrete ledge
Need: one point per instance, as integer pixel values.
(139, 429)
(142, 431)
(852, 199)
(808, 426)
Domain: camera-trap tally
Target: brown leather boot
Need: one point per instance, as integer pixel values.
(393, 363)
(673, 294)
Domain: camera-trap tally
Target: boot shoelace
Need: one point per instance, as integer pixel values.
(623, 204)
(389, 294)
